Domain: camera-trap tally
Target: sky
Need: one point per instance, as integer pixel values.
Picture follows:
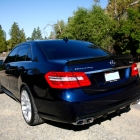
(30, 14)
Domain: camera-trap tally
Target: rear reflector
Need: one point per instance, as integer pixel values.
(134, 70)
(67, 79)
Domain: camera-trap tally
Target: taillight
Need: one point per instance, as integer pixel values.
(67, 79)
(134, 70)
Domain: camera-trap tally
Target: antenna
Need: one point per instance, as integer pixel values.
(65, 39)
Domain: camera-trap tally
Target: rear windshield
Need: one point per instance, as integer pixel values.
(71, 49)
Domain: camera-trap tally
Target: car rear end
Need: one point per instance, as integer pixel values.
(112, 87)
(93, 82)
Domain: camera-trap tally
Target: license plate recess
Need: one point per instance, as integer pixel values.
(112, 76)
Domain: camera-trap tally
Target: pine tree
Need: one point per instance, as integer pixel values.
(2, 40)
(22, 36)
(28, 38)
(36, 34)
(15, 34)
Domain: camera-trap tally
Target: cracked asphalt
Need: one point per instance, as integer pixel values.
(125, 126)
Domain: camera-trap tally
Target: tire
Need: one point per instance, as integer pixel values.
(28, 108)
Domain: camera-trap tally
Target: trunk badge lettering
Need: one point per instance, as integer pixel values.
(130, 62)
(84, 68)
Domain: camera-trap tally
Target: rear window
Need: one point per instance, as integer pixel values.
(71, 49)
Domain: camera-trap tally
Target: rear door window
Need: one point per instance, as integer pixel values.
(23, 53)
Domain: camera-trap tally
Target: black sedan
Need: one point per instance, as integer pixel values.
(68, 81)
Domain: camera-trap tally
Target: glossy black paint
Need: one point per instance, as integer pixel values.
(69, 105)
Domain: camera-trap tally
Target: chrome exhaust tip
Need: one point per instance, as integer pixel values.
(138, 102)
(90, 120)
(84, 121)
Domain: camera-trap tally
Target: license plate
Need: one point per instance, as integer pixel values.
(112, 76)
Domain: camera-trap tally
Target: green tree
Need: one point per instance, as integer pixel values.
(91, 25)
(59, 28)
(22, 36)
(9, 45)
(15, 34)
(33, 36)
(77, 25)
(117, 8)
(28, 38)
(2, 40)
(52, 35)
(127, 35)
(36, 34)
(100, 27)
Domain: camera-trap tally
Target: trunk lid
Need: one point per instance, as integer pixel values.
(105, 73)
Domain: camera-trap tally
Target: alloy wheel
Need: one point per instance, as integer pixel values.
(26, 106)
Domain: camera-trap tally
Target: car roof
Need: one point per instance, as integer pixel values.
(56, 40)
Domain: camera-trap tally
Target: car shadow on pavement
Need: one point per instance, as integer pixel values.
(87, 126)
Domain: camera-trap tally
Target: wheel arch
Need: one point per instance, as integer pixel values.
(23, 85)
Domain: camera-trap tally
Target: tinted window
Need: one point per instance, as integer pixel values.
(37, 54)
(29, 56)
(12, 55)
(21, 56)
(71, 49)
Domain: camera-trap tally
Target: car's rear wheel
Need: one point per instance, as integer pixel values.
(28, 108)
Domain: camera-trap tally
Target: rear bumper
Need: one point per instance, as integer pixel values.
(110, 108)
(70, 112)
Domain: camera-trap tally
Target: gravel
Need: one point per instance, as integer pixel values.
(125, 126)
